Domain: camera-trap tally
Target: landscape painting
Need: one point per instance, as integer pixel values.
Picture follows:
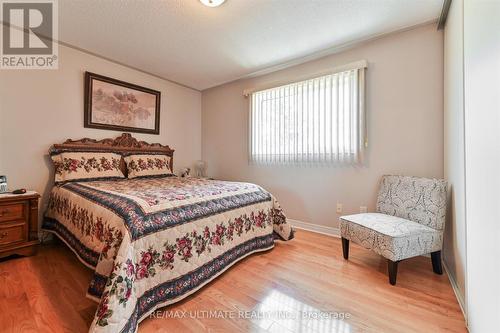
(121, 106)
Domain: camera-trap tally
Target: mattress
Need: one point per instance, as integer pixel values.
(153, 241)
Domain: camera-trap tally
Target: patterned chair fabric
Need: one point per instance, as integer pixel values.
(421, 200)
(409, 222)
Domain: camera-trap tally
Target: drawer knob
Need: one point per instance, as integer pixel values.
(3, 234)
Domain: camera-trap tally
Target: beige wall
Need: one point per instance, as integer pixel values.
(454, 157)
(42, 107)
(405, 128)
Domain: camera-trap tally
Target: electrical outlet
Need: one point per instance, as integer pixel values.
(339, 208)
(363, 209)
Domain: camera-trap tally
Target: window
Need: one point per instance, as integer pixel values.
(319, 120)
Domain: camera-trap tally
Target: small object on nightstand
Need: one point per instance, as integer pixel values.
(185, 172)
(18, 223)
(200, 169)
(3, 184)
(19, 191)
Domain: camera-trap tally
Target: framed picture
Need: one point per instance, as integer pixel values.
(120, 106)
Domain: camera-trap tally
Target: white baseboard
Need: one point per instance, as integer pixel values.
(456, 290)
(320, 229)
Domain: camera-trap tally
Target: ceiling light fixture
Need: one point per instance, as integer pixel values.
(212, 3)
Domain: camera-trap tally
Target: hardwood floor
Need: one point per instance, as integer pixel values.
(287, 289)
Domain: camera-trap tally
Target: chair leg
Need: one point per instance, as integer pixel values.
(345, 248)
(393, 271)
(436, 262)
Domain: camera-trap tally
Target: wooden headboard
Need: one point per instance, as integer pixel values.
(125, 145)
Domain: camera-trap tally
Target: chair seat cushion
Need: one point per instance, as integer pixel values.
(393, 237)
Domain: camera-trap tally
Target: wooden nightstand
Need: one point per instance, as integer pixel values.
(18, 224)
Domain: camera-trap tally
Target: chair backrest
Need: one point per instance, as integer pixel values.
(421, 200)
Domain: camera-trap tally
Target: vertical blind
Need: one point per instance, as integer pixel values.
(319, 120)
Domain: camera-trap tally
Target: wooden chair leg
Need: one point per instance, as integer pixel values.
(393, 271)
(436, 262)
(345, 248)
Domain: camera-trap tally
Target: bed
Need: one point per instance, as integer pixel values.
(152, 241)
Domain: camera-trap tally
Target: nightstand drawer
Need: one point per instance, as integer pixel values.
(12, 234)
(14, 211)
(18, 224)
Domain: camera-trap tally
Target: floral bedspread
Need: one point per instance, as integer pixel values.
(154, 241)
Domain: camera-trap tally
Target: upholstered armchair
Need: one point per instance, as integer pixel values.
(409, 222)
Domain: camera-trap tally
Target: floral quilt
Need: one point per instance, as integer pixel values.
(154, 241)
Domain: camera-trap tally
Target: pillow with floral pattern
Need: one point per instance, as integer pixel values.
(74, 166)
(147, 165)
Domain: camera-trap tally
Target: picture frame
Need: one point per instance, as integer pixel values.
(117, 105)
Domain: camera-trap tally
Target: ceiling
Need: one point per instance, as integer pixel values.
(201, 47)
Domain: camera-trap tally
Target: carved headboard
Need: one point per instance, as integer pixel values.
(125, 145)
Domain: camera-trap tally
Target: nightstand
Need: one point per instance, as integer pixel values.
(18, 223)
